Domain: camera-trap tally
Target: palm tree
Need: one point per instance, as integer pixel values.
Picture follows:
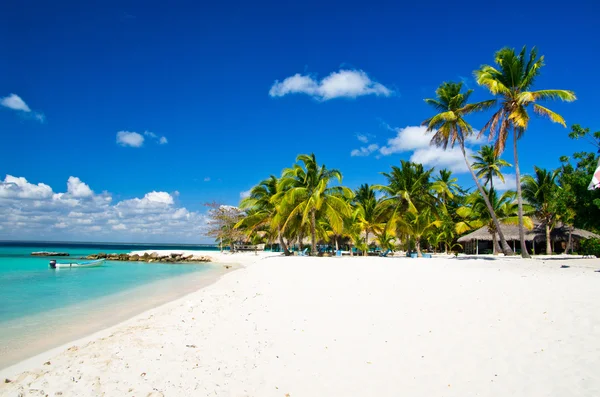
(450, 127)
(305, 192)
(540, 192)
(488, 165)
(262, 210)
(417, 225)
(475, 213)
(511, 84)
(368, 211)
(409, 187)
(445, 185)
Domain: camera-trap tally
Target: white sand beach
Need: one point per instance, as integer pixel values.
(351, 326)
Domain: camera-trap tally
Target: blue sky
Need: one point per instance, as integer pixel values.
(211, 80)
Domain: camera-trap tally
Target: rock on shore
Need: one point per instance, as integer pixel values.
(152, 257)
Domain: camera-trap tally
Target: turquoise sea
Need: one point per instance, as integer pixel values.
(43, 308)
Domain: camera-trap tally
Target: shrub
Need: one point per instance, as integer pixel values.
(591, 246)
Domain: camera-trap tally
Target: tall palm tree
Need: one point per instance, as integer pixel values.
(511, 83)
(488, 165)
(475, 213)
(305, 192)
(262, 210)
(540, 192)
(451, 127)
(368, 211)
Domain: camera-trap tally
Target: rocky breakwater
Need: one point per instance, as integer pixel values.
(152, 257)
(49, 253)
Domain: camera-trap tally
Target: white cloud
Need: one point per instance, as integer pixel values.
(362, 138)
(77, 188)
(14, 187)
(450, 158)
(510, 182)
(207, 179)
(161, 140)
(407, 139)
(151, 200)
(35, 211)
(416, 139)
(365, 150)
(14, 102)
(342, 84)
(132, 139)
(245, 193)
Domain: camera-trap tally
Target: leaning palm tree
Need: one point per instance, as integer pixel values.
(511, 83)
(488, 165)
(451, 127)
(305, 192)
(540, 192)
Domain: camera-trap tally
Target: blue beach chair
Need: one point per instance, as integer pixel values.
(303, 253)
(385, 254)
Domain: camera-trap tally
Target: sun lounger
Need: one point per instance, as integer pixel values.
(385, 254)
(303, 253)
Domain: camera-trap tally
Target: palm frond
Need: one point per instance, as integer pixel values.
(554, 117)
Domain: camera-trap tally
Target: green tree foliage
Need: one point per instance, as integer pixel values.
(579, 206)
(305, 193)
(540, 191)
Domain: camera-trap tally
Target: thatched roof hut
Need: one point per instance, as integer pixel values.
(481, 239)
(537, 234)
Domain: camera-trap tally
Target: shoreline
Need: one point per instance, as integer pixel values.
(74, 332)
(349, 326)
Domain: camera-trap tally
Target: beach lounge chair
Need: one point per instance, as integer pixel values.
(426, 255)
(303, 253)
(385, 254)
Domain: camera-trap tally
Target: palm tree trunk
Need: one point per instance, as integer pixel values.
(313, 232)
(524, 252)
(570, 243)
(366, 242)
(286, 252)
(418, 247)
(505, 247)
(548, 242)
(496, 246)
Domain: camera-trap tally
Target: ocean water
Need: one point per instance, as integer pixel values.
(42, 308)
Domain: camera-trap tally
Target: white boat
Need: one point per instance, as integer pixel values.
(96, 263)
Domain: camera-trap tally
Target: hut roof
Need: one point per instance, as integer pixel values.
(538, 233)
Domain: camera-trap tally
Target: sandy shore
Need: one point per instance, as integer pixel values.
(348, 327)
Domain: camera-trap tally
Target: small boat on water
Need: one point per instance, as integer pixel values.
(96, 263)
